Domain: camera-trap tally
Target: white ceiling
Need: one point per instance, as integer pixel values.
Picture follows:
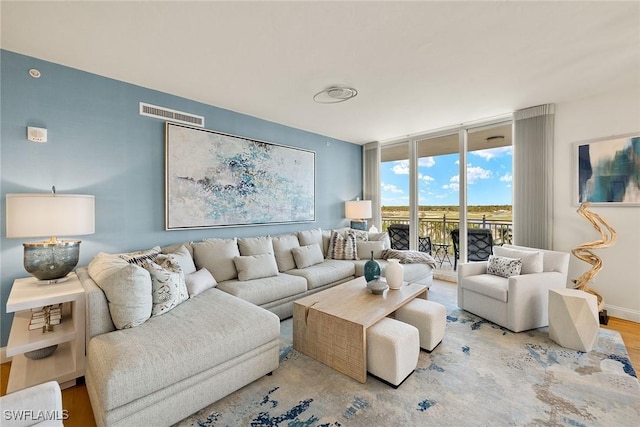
(417, 65)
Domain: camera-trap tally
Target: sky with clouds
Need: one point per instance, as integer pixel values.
(489, 175)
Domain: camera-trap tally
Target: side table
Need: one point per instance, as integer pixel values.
(67, 363)
(573, 319)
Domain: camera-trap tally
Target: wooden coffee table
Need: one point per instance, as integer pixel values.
(331, 326)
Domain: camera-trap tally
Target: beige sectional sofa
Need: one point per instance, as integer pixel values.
(156, 355)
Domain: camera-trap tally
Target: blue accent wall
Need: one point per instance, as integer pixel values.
(99, 144)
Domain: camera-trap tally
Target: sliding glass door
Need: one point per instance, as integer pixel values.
(451, 180)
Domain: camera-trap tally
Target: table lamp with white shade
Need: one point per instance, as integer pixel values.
(358, 211)
(53, 215)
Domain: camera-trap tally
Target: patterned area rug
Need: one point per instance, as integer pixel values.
(480, 375)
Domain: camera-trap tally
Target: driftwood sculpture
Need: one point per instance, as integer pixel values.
(584, 253)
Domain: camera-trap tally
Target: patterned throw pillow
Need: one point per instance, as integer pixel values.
(141, 257)
(168, 286)
(360, 234)
(503, 266)
(342, 247)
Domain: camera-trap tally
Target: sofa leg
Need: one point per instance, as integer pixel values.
(270, 373)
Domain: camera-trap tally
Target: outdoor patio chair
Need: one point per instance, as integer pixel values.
(479, 245)
(399, 236)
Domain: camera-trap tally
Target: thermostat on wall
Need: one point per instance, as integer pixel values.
(36, 134)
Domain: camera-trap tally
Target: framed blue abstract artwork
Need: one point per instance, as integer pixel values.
(608, 171)
(215, 180)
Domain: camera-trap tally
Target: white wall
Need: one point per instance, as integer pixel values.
(614, 113)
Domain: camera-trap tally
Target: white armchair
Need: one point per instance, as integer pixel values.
(40, 405)
(518, 303)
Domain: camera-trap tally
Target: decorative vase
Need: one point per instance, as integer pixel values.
(377, 286)
(41, 353)
(394, 273)
(371, 269)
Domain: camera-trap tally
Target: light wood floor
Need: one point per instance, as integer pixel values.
(76, 400)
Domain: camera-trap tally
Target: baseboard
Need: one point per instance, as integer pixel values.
(623, 313)
(3, 355)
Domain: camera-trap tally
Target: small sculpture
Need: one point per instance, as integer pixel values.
(584, 253)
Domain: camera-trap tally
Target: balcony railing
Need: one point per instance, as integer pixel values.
(439, 228)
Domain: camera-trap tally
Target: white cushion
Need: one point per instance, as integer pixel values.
(306, 256)
(393, 349)
(309, 237)
(504, 266)
(199, 282)
(127, 288)
(216, 255)
(255, 245)
(168, 287)
(365, 248)
(183, 257)
(429, 317)
(282, 246)
(256, 266)
(384, 237)
(531, 260)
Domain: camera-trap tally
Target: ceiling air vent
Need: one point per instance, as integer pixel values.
(171, 115)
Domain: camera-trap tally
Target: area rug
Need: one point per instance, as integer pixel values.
(480, 375)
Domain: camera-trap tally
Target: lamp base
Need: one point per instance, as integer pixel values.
(51, 261)
(359, 225)
(52, 281)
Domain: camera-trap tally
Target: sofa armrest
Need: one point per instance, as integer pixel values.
(98, 316)
(41, 403)
(529, 298)
(472, 268)
(467, 269)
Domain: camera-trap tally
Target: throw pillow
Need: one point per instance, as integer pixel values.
(199, 282)
(256, 266)
(504, 266)
(384, 237)
(216, 255)
(168, 287)
(306, 256)
(360, 234)
(255, 245)
(309, 237)
(365, 249)
(342, 247)
(141, 257)
(531, 260)
(174, 247)
(126, 286)
(183, 257)
(282, 246)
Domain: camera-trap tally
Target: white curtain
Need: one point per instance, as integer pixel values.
(533, 176)
(371, 181)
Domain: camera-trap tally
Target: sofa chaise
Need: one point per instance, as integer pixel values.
(156, 355)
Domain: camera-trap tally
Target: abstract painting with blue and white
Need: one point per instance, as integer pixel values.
(215, 179)
(609, 171)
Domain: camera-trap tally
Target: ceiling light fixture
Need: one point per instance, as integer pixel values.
(334, 95)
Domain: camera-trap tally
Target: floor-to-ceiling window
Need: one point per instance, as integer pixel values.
(435, 184)
(395, 184)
